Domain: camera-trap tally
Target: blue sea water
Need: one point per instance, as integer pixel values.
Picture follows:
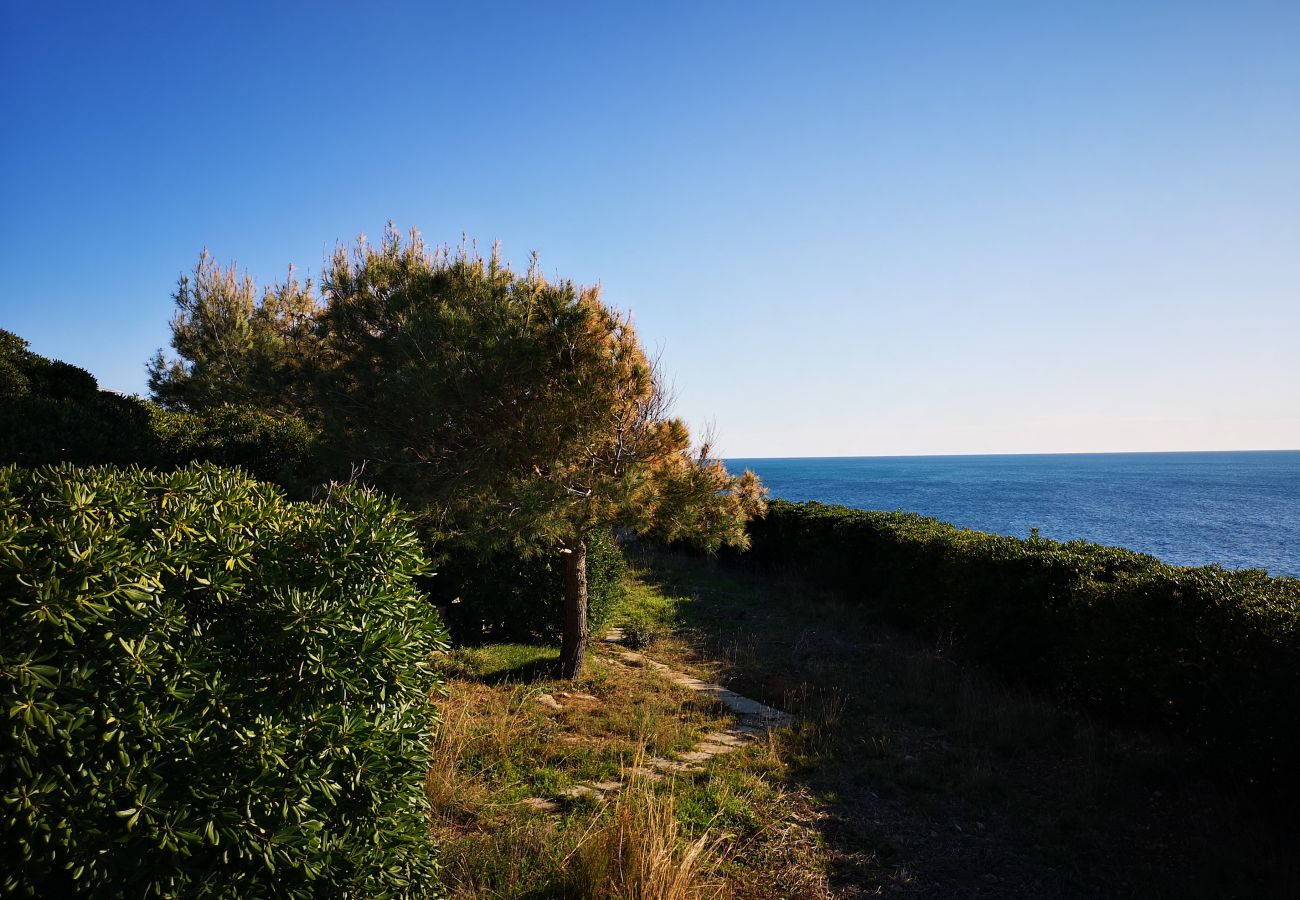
(1238, 509)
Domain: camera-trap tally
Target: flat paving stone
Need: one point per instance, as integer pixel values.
(647, 774)
(736, 703)
(696, 756)
(546, 806)
(669, 765)
(566, 695)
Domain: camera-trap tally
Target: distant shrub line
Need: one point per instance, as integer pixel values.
(209, 690)
(1212, 653)
(52, 412)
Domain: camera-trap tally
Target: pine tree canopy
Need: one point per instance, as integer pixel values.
(508, 409)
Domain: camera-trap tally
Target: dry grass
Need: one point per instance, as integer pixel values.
(497, 746)
(631, 849)
(639, 851)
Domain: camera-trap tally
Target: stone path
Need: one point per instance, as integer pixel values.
(753, 720)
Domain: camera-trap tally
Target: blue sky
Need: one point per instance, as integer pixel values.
(857, 228)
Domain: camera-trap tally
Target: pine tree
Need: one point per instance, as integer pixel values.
(236, 349)
(513, 410)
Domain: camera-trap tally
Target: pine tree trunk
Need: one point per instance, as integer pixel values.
(574, 644)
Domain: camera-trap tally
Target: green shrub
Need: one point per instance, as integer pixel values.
(1212, 653)
(101, 429)
(209, 690)
(640, 630)
(25, 374)
(278, 449)
(508, 597)
(51, 412)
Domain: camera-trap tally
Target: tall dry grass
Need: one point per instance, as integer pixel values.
(452, 796)
(629, 847)
(638, 851)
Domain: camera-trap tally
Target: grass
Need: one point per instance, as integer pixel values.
(905, 775)
(501, 743)
(640, 850)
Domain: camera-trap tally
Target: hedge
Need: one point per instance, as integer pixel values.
(52, 412)
(209, 690)
(507, 597)
(1212, 653)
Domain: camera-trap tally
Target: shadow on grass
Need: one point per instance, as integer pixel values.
(525, 673)
(495, 664)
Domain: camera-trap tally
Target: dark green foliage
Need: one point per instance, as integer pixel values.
(275, 448)
(236, 347)
(52, 412)
(104, 429)
(508, 597)
(1212, 653)
(209, 690)
(14, 380)
(25, 374)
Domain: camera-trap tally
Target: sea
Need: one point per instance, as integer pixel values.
(1240, 509)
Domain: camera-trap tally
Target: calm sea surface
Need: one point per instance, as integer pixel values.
(1241, 510)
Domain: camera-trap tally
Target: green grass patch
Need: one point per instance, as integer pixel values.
(502, 662)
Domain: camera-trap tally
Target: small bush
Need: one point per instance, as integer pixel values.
(508, 597)
(210, 691)
(1209, 652)
(639, 630)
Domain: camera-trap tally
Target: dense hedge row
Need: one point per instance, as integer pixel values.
(209, 690)
(506, 597)
(52, 412)
(1211, 652)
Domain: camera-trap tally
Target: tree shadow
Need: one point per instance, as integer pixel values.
(523, 673)
(495, 664)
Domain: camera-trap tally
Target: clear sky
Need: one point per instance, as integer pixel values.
(851, 228)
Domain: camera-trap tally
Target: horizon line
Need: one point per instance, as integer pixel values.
(1018, 453)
